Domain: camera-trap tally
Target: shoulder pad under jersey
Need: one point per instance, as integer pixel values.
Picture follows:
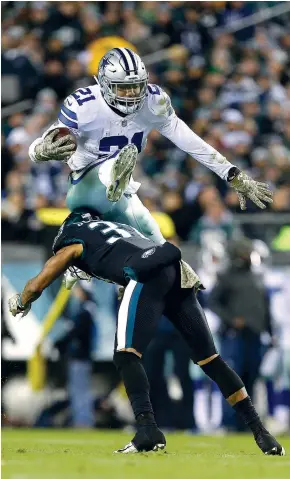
(79, 107)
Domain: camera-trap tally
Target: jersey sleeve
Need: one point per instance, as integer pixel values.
(68, 113)
(167, 122)
(159, 104)
(67, 118)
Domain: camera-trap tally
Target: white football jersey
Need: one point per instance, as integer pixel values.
(102, 132)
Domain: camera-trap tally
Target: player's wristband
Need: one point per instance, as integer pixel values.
(20, 304)
(233, 173)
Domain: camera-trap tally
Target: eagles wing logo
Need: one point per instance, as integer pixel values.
(147, 253)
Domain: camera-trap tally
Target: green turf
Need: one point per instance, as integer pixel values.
(77, 454)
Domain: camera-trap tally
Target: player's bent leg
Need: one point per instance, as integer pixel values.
(131, 211)
(234, 391)
(86, 190)
(188, 316)
(89, 187)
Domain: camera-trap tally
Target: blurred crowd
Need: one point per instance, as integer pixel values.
(232, 89)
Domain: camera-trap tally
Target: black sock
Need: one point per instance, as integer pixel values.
(249, 414)
(137, 386)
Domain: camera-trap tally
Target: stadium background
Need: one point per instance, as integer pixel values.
(227, 71)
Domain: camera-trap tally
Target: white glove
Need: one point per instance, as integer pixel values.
(256, 191)
(16, 306)
(54, 150)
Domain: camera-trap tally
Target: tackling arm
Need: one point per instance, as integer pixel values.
(53, 268)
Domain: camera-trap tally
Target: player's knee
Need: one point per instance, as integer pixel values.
(207, 360)
(225, 377)
(123, 358)
(130, 350)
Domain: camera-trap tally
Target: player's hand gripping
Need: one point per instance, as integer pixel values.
(246, 187)
(16, 306)
(49, 149)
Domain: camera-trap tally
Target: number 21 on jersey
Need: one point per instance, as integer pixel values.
(121, 141)
(83, 95)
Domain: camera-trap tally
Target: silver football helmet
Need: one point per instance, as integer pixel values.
(123, 79)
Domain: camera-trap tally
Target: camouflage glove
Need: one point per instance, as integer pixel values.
(54, 150)
(246, 187)
(16, 306)
(189, 278)
(121, 292)
(74, 274)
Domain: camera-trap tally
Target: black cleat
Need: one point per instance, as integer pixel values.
(268, 444)
(147, 438)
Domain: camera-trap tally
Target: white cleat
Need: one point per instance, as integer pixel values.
(276, 451)
(131, 449)
(121, 172)
(128, 449)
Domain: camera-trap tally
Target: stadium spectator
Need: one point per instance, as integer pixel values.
(239, 300)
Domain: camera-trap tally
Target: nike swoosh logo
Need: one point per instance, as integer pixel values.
(116, 185)
(69, 103)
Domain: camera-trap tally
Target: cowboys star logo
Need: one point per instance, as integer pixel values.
(106, 62)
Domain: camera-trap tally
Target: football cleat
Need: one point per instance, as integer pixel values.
(147, 438)
(121, 172)
(128, 449)
(268, 444)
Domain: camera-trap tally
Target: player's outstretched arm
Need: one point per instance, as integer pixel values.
(53, 268)
(245, 186)
(182, 136)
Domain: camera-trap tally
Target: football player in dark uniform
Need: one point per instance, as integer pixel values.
(157, 281)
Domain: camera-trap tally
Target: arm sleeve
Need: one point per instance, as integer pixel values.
(182, 136)
(67, 118)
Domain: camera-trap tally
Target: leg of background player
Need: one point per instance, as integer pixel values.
(187, 315)
(141, 307)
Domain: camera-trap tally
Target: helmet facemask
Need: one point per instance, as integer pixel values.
(125, 104)
(123, 90)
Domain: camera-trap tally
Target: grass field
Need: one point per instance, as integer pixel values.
(77, 454)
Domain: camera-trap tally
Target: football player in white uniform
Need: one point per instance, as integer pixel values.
(111, 121)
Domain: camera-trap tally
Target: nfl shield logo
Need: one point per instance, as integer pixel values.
(124, 123)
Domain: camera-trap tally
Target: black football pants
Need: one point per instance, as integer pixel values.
(143, 305)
